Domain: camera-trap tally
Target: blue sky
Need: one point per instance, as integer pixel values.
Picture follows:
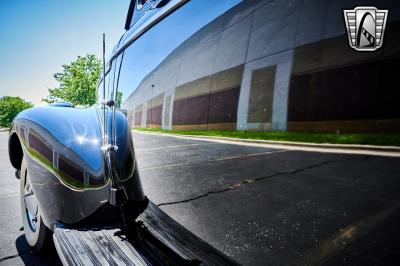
(37, 37)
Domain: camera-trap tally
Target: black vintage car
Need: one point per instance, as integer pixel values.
(78, 171)
(200, 64)
(67, 168)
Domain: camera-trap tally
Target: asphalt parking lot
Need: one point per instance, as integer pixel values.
(261, 206)
(266, 206)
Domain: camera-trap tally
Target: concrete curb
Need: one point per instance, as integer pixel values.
(292, 143)
(4, 129)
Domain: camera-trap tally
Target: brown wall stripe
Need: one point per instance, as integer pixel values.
(138, 118)
(154, 115)
(40, 145)
(208, 100)
(65, 166)
(218, 107)
(362, 91)
(154, 111)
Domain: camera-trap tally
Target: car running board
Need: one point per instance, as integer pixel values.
(155, 240)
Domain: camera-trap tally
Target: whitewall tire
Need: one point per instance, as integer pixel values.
(36, 233)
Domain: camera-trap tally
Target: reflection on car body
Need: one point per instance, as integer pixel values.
(216, 65)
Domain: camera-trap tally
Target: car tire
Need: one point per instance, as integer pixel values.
(36, 233)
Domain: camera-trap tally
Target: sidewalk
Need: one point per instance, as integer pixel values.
(392, 151)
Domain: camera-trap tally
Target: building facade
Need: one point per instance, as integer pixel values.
(263, 65)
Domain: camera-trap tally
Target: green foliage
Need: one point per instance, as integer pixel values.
(77, 82)
(10, 107)
(118, 100)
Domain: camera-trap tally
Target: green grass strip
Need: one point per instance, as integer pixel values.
(356, 138)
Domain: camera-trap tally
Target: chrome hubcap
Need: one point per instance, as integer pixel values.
(30, 205)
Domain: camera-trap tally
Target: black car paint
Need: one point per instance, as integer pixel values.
(71, 184)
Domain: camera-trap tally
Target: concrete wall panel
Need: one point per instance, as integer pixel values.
(283, 62)
(144, 114)
(311, 25)
(164, 79)
(239, 12)
(274, 28)
(138, 116)
(261, 95)
(230, 78)
(205, 54)
(197, 87)
(334, 25)
(167, 113)
(233, 45)
(214, 28)
(186, 67)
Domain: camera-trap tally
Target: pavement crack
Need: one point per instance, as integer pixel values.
(309, 167)
(256, 179)
(194, 198)
(13, 256)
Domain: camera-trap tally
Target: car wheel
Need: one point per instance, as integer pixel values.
(36, 233)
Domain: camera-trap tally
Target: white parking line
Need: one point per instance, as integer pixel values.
(167, 147)
(248, 155)
(213, 160)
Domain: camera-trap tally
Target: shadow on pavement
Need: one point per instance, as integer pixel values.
(47, 257)
(371, 240)
(377, 246)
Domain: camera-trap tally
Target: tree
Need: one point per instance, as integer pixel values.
(118, 100)
(77, 82)
(10, 107)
